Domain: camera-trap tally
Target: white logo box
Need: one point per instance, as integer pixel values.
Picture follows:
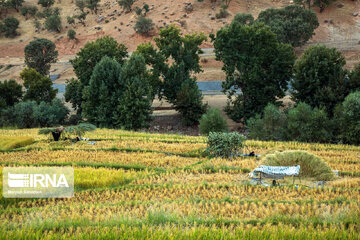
(38, 182)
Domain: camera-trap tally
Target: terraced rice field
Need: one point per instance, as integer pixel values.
(153, 186)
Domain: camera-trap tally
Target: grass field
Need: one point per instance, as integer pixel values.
(153, 186)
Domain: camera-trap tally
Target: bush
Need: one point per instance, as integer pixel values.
(50, 114)
(143, 25)
(29, 10)
(10, 26)
(70, 20)
(126, 4)
(29, 114)
(225, 145)
(189, 102)
(350, 118)
(10, 93)
(308, 125)
(212, 121)
(53, 23)
(223, 13)
(46, 3)
(271, 126)
(71, 34)
(23, 113)
(310, 165)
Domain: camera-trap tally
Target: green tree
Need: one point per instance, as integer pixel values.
(255, 63)
(182, 52)
(189, 102)
(244, 18)
(53, 23)
(48, 114)
(102, 93)
(29, 10)
(212, 121)
(350, 118)
(10, 93)
(93, 52)
(71, 34)
(308, 125)
(73, 94)
(319, 78)
(292, 24)
(92, 5)
(70, 20)
(10, 26)
(322, 4)
(38, 87)
(134, 107)
(271, 125)
(87, 58)
(126, 4)
(143, 25)
(16, 4)
(46, 3)
(39, 54)
(354, 79)
(81, 4)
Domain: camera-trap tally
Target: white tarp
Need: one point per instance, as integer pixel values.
(278, 170)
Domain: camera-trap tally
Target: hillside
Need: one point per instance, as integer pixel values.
(338, 28)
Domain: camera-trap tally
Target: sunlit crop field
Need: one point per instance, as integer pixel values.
(152, 186)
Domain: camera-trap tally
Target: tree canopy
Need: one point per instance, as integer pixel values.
(320, 79)
(256, 64)
(39, 54)
(292, 24)
(38, 87)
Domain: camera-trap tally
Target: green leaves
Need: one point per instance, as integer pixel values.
(255, 63)
(292, 24)
(38, 87)
(225, 145)
(39, 54)
(319, 78)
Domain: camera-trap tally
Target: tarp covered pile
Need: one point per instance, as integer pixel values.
(276, 172)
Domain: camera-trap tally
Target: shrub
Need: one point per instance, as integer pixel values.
(126, 4)
(46, 3)
(50, 114)
(70, 20)
(189, 102)
(143, 25)
(29, 10)
(223, 13)
(53, 23)
(212, 121)
(351, 118)
(271, 126)
(81, 4)
(225, 145)
(71, 34)
(23, 113)
(10, 93)
(37, 24)
(308, 125)
(10, 26)
(310, 165)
